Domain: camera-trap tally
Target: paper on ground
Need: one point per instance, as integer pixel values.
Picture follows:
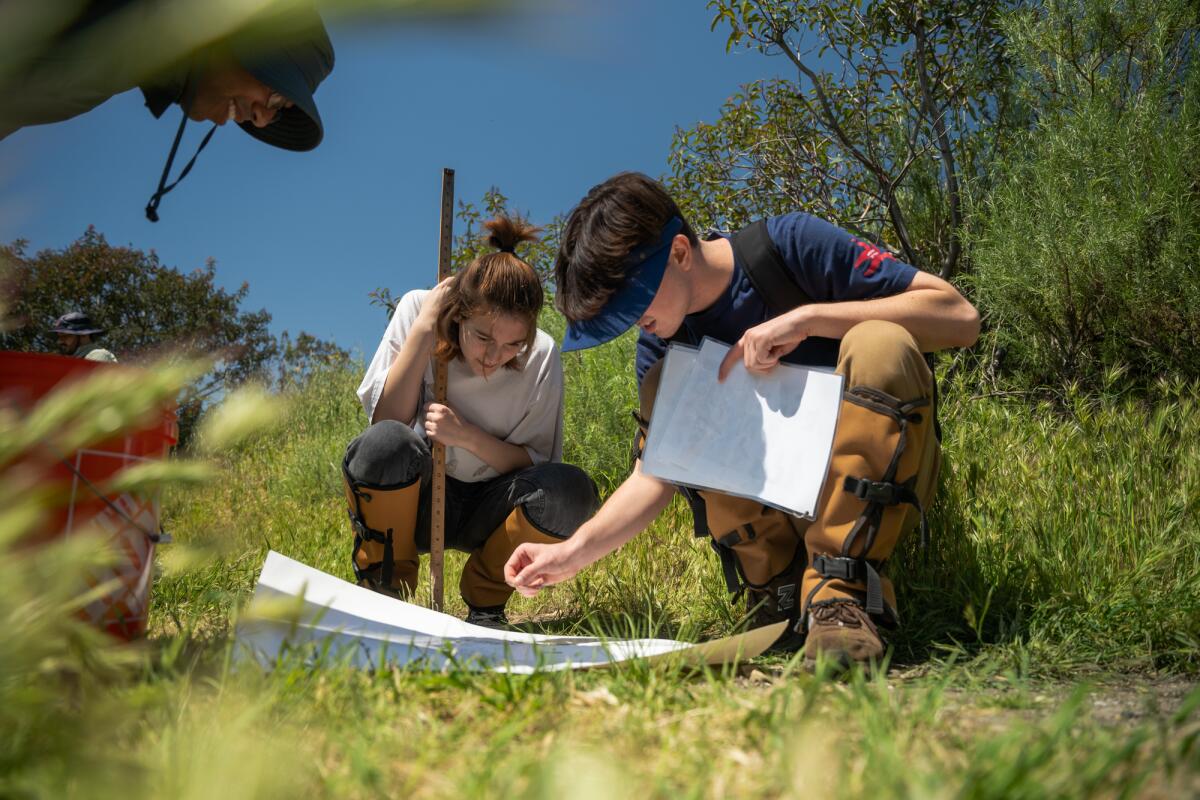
(372, 630)
(762, 436)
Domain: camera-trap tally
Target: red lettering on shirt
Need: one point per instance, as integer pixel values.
(872, 256)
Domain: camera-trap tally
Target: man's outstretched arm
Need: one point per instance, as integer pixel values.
(626, 513)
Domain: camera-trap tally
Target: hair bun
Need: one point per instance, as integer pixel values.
(504, 233)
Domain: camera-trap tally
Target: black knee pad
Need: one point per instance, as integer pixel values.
(557, 498)
(389, 453)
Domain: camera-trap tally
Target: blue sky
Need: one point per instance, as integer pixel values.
(543, 102)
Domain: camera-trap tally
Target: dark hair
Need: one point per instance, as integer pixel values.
(626, 211)
(498, 282)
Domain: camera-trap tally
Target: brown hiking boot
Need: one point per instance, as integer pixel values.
(843, 633)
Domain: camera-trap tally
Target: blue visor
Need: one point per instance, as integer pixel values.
(644, 268)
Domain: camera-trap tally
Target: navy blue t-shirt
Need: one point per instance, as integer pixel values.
(829, 265)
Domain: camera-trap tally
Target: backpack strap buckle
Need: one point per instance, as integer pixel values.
(882, 492)
(855, 570)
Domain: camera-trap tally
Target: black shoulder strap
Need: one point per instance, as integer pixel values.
(754, 250)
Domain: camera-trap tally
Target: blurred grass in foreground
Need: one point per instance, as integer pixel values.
(1029, 577)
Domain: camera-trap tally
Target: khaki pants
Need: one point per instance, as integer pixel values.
(883, 359)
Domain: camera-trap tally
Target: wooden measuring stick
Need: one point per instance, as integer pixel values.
(437, 510)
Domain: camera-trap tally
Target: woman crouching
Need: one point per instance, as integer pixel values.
(501, 426)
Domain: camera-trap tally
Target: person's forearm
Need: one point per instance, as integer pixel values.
(401, 393)
(628, 511)
(498, 454)
(936, 319)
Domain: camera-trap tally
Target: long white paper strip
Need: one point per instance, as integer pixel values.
(371, 630)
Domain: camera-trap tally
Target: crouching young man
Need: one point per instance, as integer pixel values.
(789, 288)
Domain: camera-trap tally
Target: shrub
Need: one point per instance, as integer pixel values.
(1084, 260)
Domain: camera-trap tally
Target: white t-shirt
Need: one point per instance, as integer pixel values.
(522, 407)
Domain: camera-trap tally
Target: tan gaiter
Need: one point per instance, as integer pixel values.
(883, 357)
(763, 539)
(385, 510)
(482, 583)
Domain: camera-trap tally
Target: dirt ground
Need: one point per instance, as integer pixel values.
(1111, 701)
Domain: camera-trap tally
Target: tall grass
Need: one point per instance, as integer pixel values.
(601, 393)
(1069, 528)
(1067, 533)
(1062, 539)
(79, 711)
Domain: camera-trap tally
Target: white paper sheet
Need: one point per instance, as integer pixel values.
(676, 374)
(762, 436)
(370, 630)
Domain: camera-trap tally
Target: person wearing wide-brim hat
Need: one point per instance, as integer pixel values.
(261, 72)
(76, 334)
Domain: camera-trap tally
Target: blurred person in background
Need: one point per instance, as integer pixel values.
(218, 65)
(76, 337)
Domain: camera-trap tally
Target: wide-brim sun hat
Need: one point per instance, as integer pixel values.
(289, 52)
(644, 268)
(292, 58)
(76, 323)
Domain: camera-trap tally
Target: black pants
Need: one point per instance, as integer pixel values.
(557, 498)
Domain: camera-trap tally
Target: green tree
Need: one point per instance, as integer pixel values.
(469, 244)
(300, 358)
(1085, 253)
(896, 108)
(149, 308)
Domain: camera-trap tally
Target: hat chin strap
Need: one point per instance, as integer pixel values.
(163, 188)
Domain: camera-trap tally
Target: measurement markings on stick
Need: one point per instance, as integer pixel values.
(437, 534)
